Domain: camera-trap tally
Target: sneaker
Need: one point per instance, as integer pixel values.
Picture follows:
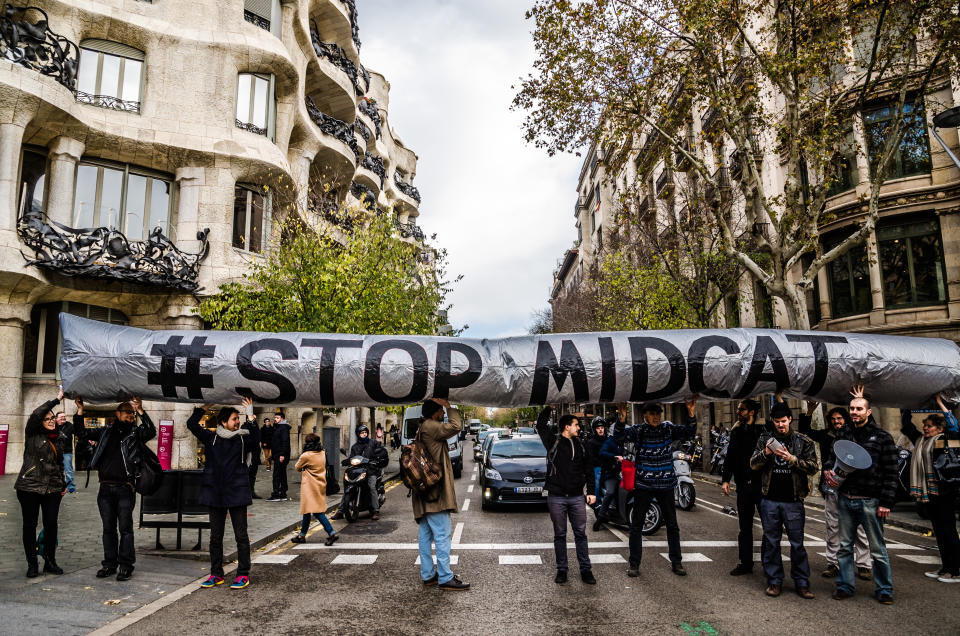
(106, 571)
(299, 539)
(741, 569)
(634, 571)
(831, 572)
(124, 574)
(678, 569)
(72, 490)
(240, 582)
(949, 578)
(561, 577)
(865, 574)
(330, 540)
(935, 574)
(273, 499)
(885, 599)
(455, 584)
(429, 582)
(212, 581)
(587, 577)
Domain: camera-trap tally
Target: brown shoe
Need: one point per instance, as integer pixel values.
(831, 572)
(804, 592)
(773, 590)
(865, 574)
(375, 516)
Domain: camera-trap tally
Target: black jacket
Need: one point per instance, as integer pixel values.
(804, 464)
(280, 441)
(594, 444)
(226, 478)
(129, 443)
(743, 441)
(568, 467)
(824, 438)
(266, 436)
(42, 469)
(880, 480)
(372, 450)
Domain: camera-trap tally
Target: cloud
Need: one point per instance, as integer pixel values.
(503, 209)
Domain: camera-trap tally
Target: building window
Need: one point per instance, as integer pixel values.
(33, 177)
(126, 198)
(41, 349)
(256, 106)
(110, 75)
(849, 280)
(248, 219)
(763, 306)
(911, 259)
(913, 155)
(843, 169)
(264, 14)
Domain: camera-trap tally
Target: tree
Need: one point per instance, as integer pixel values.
(776, 84)
(542, 321)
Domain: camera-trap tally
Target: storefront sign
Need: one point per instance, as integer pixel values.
(165, 443)
(4, 432)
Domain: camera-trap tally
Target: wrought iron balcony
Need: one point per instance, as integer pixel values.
(643, 207)
(361, 128)
(710, 117)
(681, 161)
(375, 165)
(256, 20)
(106, 253)
(722, 188)
(665, 184)
(736, 165)
(410, 230)
(244, 125)
(364, 195)
(115, 103)
(26, 39)
(334, 127)
(369, 108)
(406, 188)
(357, 74)
(354, 28)
(329, 210)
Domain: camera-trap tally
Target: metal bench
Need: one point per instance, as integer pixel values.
(178, 495)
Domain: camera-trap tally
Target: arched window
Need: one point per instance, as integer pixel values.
(110, 75)
(41, 346)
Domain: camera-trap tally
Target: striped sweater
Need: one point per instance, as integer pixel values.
(654, 458)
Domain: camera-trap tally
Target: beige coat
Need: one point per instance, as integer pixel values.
(434, 437)
(313, 482)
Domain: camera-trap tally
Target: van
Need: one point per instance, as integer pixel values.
(473, 426)
(408, 431)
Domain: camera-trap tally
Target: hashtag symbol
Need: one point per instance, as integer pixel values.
(191, 379)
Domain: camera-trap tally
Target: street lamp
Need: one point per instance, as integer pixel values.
(949, 118)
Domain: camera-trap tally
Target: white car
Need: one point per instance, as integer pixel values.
(411, 424)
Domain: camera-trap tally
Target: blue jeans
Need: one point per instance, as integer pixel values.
(596, 480)
(574, 508)
(435, 527)
(775, 516)
(862, 512)
(68, 471)
(319, 516)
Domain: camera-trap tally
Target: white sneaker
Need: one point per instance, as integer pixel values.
(934, 574)
(949, 578)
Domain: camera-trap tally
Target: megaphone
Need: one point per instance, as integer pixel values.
(851, 457)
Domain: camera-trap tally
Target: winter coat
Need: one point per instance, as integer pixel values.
(568, 467)
(804, 464)
(653, 450)
(42, 469)
(280, 442)
(824, 438)
(129, 443)
(880, 480)
(313, 481)
(372, 450)
(226, 478)
(743, 441)
(434, 436)
(266, 436)
(608, 454)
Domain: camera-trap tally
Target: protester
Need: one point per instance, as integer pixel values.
(266, 441)
(226, 484)
(313, 488)
(280, 450)
(568, 471)
(432, 513)
(837, 420)
(611, 455)
(743, 441)
(864, 499)
(117, 461)
(65, 429)
(655, 478)
(594, 443)
(380, 434)
(374, 451)
(785, 461)
(938, 498)
(41, 485)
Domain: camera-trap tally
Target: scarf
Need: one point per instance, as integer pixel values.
(923, 480)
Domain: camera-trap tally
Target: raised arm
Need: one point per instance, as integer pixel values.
(948, 415)
(546, 435)
(193, 425)
(907, 427)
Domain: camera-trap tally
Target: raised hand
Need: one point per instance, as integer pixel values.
(137, 404)
(857, 391)
(691, 403)
(79, 402)
(60, 393)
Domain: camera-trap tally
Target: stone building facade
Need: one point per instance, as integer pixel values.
(140, 136)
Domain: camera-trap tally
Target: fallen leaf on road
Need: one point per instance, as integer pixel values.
(114, 601)
(88, 587)
(47, 589)
(162, 592)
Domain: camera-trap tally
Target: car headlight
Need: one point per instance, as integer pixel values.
(355, 461)
(490, 473)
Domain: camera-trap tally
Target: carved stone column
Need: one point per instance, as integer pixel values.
(11, 139)
(64, 155)
(877, 315)
(189, 182)
(823, 285)
(13, 318)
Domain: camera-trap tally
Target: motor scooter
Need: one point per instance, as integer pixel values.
(621, 511)
(356, 495)
(720, 453)
(684, 494)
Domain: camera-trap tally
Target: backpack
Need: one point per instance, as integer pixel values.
(150, 476)
(419, 471)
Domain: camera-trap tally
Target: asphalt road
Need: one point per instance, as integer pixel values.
(368, 583)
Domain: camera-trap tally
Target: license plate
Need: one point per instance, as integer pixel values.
(526, 489)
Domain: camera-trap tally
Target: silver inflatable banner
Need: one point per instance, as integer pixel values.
(101, 362)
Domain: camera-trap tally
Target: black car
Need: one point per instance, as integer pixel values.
(514, 472)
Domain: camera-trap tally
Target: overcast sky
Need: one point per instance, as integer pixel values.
(503, 209)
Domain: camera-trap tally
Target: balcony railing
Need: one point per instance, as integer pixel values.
(361, 128)
(334, 127)
(406, 188)
(329, 211)
(408, 230)
(369, 108)
(681, 161)
(245, 125)
(665, 184)
(643, 207)
(113, 103)
(357, 74)
(364, 195)
(375, 165)
(354, 28)
(26, 39)
(106, 253)
(710, 117)
(256, 20)
(736, 165)
(722, 188)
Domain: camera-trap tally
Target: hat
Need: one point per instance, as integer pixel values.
(598, 421)
(780, 409)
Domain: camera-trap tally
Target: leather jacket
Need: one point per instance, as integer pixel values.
(129, 444)
(42, 469)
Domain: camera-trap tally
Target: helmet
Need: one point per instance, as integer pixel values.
(598, 421)
(363, 428)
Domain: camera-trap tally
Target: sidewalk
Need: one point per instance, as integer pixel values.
(903, 516)
(78, 602)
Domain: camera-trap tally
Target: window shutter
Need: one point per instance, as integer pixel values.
(113, 48)
(261, 8)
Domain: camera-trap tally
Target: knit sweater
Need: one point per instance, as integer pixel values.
(654, 457)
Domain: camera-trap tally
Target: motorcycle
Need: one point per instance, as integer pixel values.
(356, 495)
(622, 512)
(719, 453)
(685, 495)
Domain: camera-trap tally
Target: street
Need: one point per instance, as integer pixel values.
(368, 582)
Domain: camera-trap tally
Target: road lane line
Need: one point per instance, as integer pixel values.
(520, 559)
(454, 559)
(457, 533)
(469, 489)
(354, 559)
(606, 558)
(690, 557)
(277, 559)
(921, 558)
(466, 505)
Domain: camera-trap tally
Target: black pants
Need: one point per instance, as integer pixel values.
(30, 506)
(748, 505)
(116, 504)
(574, 509)
(943, 515)
(252, 469)
(642, 499)
(238, 518)
(279, 478)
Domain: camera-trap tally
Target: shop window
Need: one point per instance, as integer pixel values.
(912, 156)
(130, 199)
(41, 347)
(110, 75)
(849, 280)
(33, 177)
(256, 105)
(911, 260)
(248, 219)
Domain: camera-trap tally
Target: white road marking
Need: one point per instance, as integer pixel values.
(454, 559)
(606, 558)
(355, 559)
(599, 545)
(470, 489)
(921, 558)
(691, 557)
(457, 533)
(520, 559)
(466, 505)
(279, 559)
(618, 534)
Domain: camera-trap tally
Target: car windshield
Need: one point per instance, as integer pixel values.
(519, 448)
(526, 430)
(483, 435)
